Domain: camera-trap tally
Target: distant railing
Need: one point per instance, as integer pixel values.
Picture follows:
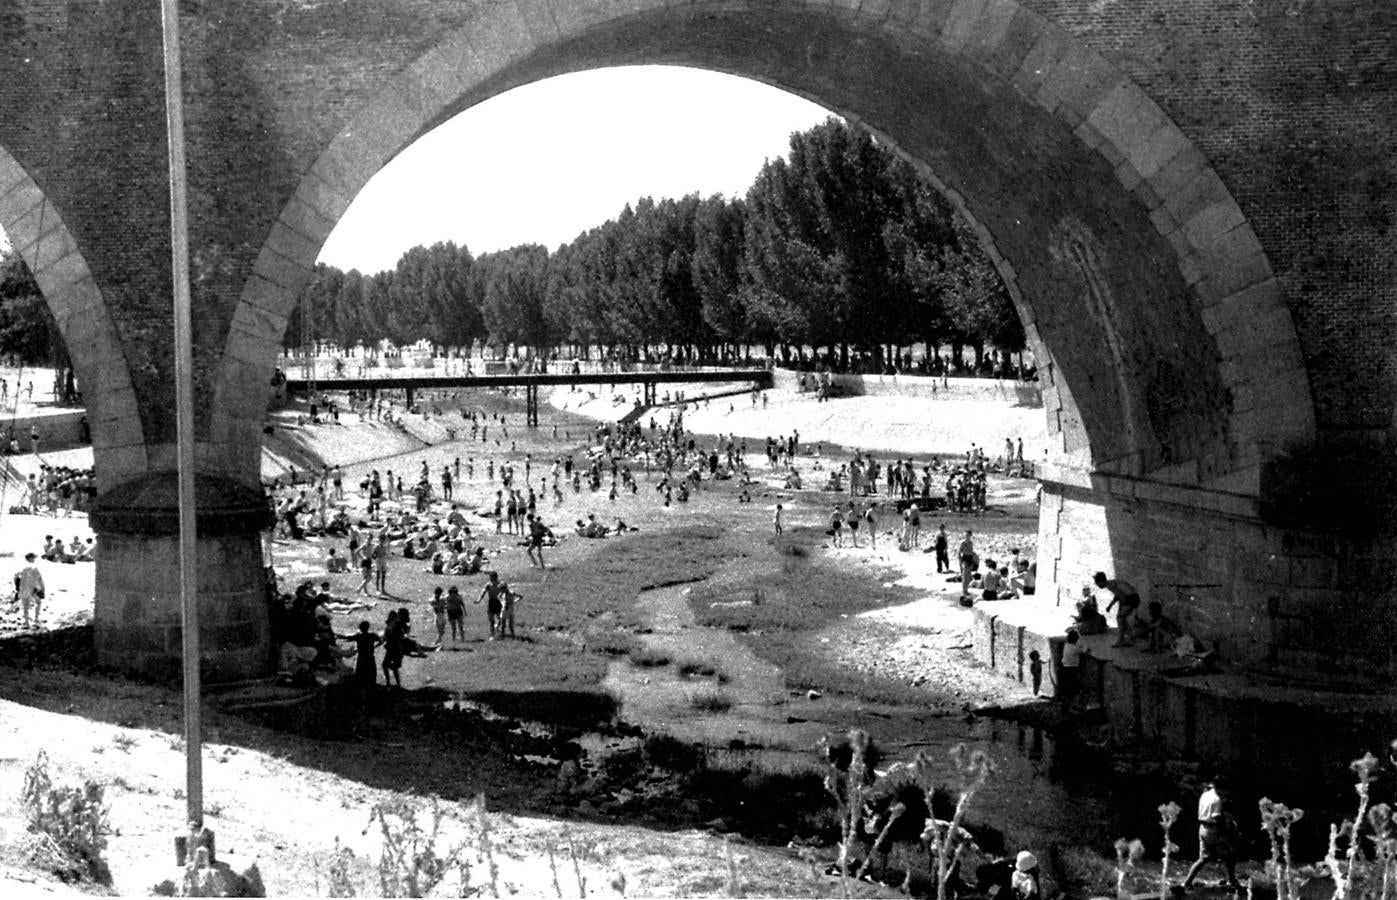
(328, 368)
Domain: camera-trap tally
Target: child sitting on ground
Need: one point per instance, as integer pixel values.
(1160, 630)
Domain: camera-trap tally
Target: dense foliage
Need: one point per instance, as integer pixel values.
(840, 246)
(28, 332)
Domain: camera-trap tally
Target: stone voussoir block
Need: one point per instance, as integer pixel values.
(1082, 79)
(55, 242)
(1052, 43)
(21, 199)
(389, 123)
(306, 220)
(328, 201)
(288, 274)
(960, 24)
(1020, 34)
(991, 28)
(292, 244)
(540, 18)
(11, 173)
(1115, 115)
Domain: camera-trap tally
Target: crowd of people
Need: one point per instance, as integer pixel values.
(57, 491)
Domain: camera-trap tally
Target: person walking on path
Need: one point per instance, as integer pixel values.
(29, 585)
(1217, 834)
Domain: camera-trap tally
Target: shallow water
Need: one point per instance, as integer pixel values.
(1043, 791)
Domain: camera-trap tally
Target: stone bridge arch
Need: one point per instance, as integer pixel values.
(1172, 353)
(38, 233)
(1173, 366)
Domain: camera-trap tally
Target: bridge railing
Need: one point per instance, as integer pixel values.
(327, 368)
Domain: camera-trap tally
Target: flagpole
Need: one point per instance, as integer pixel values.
(184, 414)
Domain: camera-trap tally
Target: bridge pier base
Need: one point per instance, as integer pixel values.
(137, 617)
(531, 405)
(649, 389)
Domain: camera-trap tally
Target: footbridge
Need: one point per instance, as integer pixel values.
(398, 379)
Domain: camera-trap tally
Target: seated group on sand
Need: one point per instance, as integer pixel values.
(74, 552)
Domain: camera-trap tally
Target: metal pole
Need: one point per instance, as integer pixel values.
(184, 414)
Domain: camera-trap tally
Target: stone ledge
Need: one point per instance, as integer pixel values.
(149, 506)
(1233, 719)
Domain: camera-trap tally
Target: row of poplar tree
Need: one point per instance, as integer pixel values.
(840, 247)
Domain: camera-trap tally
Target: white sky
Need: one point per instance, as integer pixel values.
(546, 161)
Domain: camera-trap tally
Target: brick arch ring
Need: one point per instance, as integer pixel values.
(37, 232)
(1232, 294)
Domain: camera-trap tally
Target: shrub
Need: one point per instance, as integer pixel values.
(70, 822)
(710, 701)
(649, 659)
(667, 752)
(690, 667)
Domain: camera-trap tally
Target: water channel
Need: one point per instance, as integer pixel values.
(1044, 791)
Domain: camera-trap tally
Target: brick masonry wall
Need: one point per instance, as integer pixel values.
(1294, 102)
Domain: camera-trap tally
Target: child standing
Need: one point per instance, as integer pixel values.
(776, 521)
(439, 609)
(507, 611)
(456, 613)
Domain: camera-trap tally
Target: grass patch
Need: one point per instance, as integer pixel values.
(697, 668)
(649, 659)
(794, 593)
(779, 611)
(611, 643)
(666, 752)
(710, 701)
(771, 806)
(576, 709)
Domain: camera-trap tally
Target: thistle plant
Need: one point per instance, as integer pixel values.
(1277, 820)
(974, 768)
(1168, 815)
(1382, 824)
(1128, 855)
(847, 784)
(1364, 768)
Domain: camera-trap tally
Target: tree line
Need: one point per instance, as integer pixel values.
(28, 333)
(839, 248)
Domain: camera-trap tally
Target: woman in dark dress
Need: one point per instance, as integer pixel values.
(364, 641)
